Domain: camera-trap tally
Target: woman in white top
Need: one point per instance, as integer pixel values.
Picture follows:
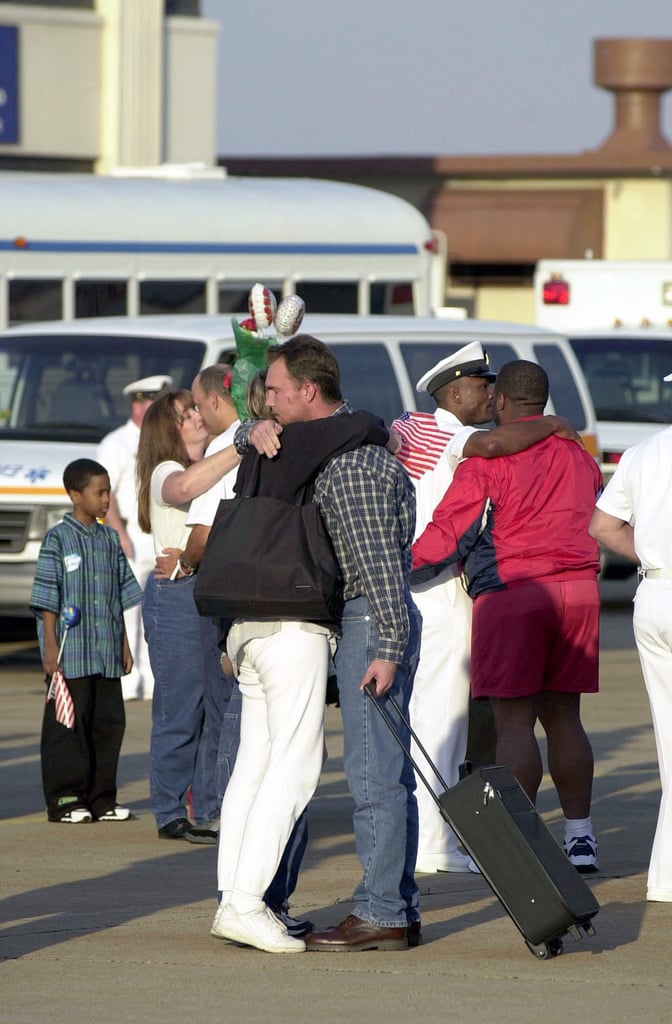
(171, 471)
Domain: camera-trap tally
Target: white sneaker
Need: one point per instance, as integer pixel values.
(116, 813)
(455, 861)
(258, 928)
(78, 816)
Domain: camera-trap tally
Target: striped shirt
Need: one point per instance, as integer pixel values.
(368, 504)
(85, 566)
(422, 442)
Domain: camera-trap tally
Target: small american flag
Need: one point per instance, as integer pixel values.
(422, 442)
(65, 707)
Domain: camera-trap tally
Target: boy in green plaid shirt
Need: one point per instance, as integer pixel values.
(81, 563)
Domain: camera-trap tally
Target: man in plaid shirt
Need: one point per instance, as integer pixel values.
(368, 504)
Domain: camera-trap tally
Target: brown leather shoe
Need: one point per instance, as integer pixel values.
(355, 935)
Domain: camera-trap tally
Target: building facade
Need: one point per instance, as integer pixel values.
(93, 84)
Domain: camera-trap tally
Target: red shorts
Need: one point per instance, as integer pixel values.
(535, 637)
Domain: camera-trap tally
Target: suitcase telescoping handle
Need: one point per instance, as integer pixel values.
(370, 692)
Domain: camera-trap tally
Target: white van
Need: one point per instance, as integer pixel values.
(61, 391)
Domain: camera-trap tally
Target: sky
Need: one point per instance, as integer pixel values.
(419, 77)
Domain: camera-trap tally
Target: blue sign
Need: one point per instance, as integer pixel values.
(9, 84)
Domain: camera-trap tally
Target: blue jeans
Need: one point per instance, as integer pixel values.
(217, 691)
(178, 743)
(380, 778)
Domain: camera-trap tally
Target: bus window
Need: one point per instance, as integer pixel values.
(328, 296)
(31, 300)
(100, 298)
(395, 299)
(233, 295)
(172, 297)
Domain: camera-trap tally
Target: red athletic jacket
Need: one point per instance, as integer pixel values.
(516, 518)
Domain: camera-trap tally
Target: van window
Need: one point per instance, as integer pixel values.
(60, 388)
(368, 380)
(419, 358)
(564, 392)
(625, 377)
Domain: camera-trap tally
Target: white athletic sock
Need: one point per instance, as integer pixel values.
(575, 828)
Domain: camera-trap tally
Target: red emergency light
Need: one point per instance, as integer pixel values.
(556, 291)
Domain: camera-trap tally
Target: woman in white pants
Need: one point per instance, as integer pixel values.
(282, 673)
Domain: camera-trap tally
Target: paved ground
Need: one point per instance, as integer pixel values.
(104, 922)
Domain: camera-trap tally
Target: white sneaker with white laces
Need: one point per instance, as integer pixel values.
(257, 928)
(116, 813)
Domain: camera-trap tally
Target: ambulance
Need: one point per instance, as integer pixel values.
(617, 315)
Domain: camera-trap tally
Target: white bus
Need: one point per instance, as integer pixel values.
(77, 245)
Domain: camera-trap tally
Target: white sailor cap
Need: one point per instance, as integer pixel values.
(469, 361)
(669, 377)
(148, 387)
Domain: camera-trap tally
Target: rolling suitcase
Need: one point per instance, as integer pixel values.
(543, 893)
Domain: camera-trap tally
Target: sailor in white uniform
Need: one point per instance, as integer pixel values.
(117, 453)
(432, 446)
(633, 518)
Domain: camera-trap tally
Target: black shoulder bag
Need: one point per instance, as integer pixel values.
(268, 559)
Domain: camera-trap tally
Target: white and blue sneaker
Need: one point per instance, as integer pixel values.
(582, 853)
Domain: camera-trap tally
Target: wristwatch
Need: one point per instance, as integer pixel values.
(186, 570)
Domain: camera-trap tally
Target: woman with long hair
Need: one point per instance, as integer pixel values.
(170, 472)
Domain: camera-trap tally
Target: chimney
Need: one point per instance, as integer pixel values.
(637, 71)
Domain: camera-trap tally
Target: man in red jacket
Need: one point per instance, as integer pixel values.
(519, 525)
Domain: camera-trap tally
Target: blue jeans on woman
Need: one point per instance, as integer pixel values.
(381, 779)
(178, 754)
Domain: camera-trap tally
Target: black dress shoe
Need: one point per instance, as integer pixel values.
(176, 829)
(354, 936)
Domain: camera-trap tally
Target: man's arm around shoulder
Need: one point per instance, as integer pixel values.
(510, 438)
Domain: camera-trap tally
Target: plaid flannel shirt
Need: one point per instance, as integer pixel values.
(85, 566)
(368, 504)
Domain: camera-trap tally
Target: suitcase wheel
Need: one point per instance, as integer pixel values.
(545, 950)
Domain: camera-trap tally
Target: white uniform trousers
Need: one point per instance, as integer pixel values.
(439, 707)
(653, 633)
(282, 680)
(139, 683)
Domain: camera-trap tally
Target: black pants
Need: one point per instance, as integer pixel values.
(82, 762)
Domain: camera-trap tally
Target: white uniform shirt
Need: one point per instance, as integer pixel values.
(204, 507)
(639, 493)
(432, 486)
(117, 452)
